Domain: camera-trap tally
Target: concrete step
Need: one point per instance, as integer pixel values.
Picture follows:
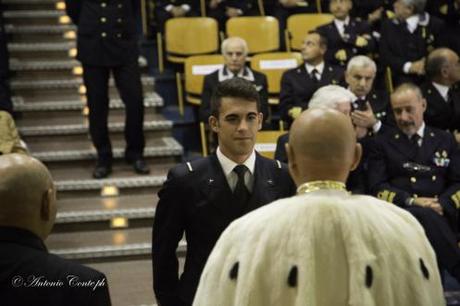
(102, 209)
(56, 84)
(78, 125)
(78, 151)
(33, 4)
(36, 17)
(76, 105)
(43, 46)
(39, 29)
(43, 65)
(55, 33)
(43, 51)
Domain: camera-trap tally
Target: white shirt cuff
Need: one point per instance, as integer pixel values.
(406, 67)
(168, 7)
(185, 7)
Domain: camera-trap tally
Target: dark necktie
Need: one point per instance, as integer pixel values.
(315, 75)
(415, 139)
(241, 192)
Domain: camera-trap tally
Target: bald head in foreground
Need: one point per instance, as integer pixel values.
(323, 246)
(29, 275)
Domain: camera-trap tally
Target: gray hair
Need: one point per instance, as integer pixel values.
(408, 87)
(237, 39)
(329, 96)
(361, 61)
(419, 5)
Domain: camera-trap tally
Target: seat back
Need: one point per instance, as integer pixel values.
(196, 68)
(260, 32)
(300, 24)
(190, 36)
(273, 65)
(266, 142)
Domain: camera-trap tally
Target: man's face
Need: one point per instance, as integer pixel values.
(408, 109)
(311, 49)
(236, 127)
(340, 8)
(360, 80)
(234, 56)
(402, 11)
(453, 67)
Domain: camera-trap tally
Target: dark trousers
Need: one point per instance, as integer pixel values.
(128, 82)
(5, 94)
(441, 237)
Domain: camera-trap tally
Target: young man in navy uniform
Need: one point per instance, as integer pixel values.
(417, 167)
(201, 198)
(107, 43)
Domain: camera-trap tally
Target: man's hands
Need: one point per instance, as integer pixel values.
(418, 67)
(178, 11)
(364, 118)
(432, 203)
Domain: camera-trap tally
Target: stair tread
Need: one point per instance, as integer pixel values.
(97, 203)
(67, 81)
(13, 29)
(33, 13)
(88, 239)
(122, 174)
(41, 46)
(28, 125)
(34, 65)
(151, 99)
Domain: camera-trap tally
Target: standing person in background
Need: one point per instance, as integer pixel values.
(107, 43)
(5, 94)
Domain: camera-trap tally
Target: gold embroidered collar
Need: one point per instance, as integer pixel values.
(320, 185)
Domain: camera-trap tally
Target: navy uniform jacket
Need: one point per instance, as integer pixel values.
(399, 46)
(297, 87)
(211, 80)
(335, 42)
(106, 31)
(23, 255)
(451, 15)
(196, 199)
(399, 169)
(439, 113)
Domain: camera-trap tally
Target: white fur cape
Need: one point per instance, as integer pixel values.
(325, 248)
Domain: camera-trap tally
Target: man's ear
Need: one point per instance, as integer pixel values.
(261, 120)
(214, 124)
(46, 209)
(292, 163)
(356, 156)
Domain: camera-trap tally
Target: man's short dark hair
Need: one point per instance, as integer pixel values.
(322, 39)
(434, 65)
(234, 88)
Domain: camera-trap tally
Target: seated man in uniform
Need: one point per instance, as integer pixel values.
(324, 246)
(442, 91)
(417, 167)
(235, 51)
(299, 84)
(372, 108)
(202, 197)
(27, 214)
